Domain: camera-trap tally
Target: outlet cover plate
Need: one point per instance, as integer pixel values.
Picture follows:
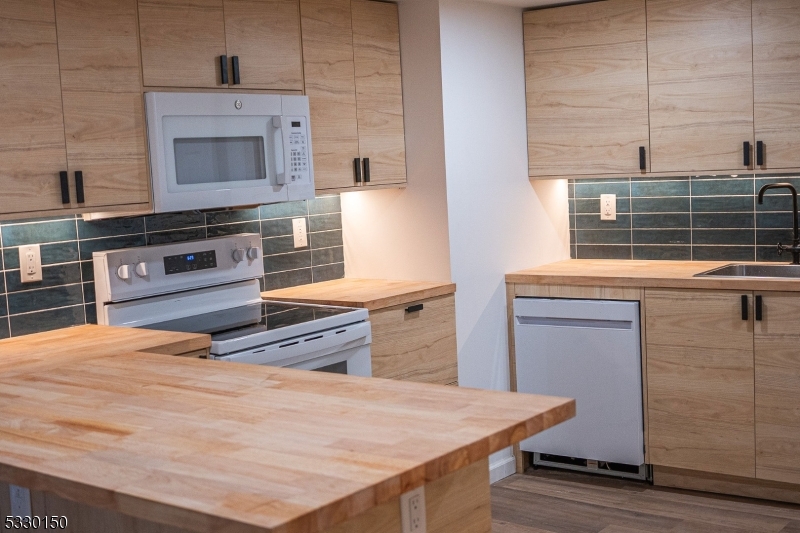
(608, 207)
(30, 263)
(412, 511)
(300, 232)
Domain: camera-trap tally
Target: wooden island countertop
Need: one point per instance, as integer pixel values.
(644, 274)
(210, 446)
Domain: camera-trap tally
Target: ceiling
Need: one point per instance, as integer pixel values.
(531, 3)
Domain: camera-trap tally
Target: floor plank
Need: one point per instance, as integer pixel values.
(553, 501)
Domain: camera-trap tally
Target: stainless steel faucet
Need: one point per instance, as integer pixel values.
(795, 248)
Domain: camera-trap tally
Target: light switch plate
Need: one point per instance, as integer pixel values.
(20, 499)
(300, 232)
(608, 207)
(30, 263)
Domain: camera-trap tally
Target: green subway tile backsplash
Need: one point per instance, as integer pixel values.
(681, 218)
(65, 296)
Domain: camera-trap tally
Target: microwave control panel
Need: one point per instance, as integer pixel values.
(298, 150)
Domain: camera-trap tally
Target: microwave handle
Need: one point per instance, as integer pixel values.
(282, 154)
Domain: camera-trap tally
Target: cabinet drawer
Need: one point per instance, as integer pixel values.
(417, 345)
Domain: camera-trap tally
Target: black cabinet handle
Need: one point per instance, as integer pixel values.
(223, 69)
(744, 307)
(64, 186)
(366, 170)
(746, 146)
(235, 63)
(759, 308)
(760, 153)
(642, 158)
(414, 308)
(79, 186)
(357, 169)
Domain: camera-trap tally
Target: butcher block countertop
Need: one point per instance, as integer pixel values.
(370, 294)
(652, 274)
(212, 446)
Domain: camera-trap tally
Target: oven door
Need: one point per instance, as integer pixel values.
(210, 150)
(342, 350)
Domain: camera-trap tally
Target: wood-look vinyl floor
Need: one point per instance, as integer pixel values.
(551, 501)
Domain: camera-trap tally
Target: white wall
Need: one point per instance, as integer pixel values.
(402, 233)
(498, 221)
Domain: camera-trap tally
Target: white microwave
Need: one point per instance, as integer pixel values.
(228, 150)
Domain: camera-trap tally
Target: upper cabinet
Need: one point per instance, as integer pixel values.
(776, 72)
(351, 54)
(32, 147)
(586, 86)
(248, 44)
(701, 85)
(74, 138)
(719, 79)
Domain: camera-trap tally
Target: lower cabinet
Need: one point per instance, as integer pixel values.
(777, 387)
(416, 341)
(700, 380)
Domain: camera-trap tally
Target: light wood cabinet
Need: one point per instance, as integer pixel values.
(776, 75)
(101, 90)
(700, 381)
(701, 84)
(182, 42)
(351, 54)
(777, 388)
(416, 341)
(586, 87)
(32, 145)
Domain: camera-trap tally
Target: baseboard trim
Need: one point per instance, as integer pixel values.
(725, 484)
(502, 469)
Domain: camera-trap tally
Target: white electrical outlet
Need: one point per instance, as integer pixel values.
(300, 233)
(608, 207)
(20, 500)
(30, 263)
(412, 511)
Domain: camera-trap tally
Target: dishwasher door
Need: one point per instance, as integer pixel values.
(589, 350)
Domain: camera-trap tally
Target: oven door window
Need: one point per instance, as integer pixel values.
(335, 368)
(219, 159)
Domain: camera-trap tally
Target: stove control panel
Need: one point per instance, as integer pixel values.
(153, 270)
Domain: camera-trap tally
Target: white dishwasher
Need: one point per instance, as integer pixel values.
(589, 350)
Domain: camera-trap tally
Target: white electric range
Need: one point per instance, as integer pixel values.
(212, 286)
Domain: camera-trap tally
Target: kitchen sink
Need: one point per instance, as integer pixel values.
(754, 271)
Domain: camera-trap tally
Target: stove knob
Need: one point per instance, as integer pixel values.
(124, 272)
(252, 253)
(238, 255)
(141, 269)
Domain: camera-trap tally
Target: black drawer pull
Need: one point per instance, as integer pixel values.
(357, 169)
(760, 153)
(64, 186)
(746, 149)
(223, 69)
(235, 63)
(642, 158)
(744, 307)
(79, 186)
(414, 308)
(759, 308)
(366, 170)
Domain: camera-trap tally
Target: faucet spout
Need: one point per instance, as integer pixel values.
(795, 248)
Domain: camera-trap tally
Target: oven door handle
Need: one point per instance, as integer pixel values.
(291, 352)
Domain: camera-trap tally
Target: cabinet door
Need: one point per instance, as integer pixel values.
(181, 42)
(103, 108)
(701, 84)
(32, 146)
(776, 73)
(777, 356)
(331, 90)
(379, 91)
(700, 381)
(418, 345)
(265, 36)
(586, 85)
